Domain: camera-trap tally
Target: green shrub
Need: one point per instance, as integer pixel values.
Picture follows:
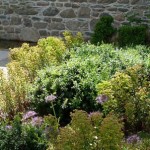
(103, 30)
(14, 89)
(29, 58)
(37, 132)
(28, 132)
(82, 134)
(73, 40)
(25, 62)
(132, 35)
(34, 138)
(74, 81)
(145, 145)
(53, 50)
(77, 135)
(10, 135)
(32, 58)
(128, 94)
(111, 134)
(17, 136)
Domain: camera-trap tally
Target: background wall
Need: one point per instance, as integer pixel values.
(29, 20)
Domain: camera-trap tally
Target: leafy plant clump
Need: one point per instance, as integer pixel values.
(128, 96)
(132, 35)
(32, 58)
(19, 136)
(72, 41)
(103, 30)
(90, 132)
(74, 82)
(109, 86)
(25, 62)
(85, 131)
(13, 89)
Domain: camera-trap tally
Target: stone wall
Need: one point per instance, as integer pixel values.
(29, 20)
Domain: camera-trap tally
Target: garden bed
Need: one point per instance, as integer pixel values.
(64, 95)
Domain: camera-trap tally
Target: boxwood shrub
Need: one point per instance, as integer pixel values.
(132, 35)
(103, 30)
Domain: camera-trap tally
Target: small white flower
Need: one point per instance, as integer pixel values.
(96, 137)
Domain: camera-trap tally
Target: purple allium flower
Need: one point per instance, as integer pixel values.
(51, 131)
(8, 127)
(133, 138)
(29, 114)
(50, 98)
(94, 113)
(37, 121)
(102, 99)
(3, 115)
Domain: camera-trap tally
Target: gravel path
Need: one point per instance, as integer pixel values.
(4, 57)
(4, 60)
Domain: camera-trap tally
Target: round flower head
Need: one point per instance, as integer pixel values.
(102, 99)
(29, 114)
(133, 138)
(37, 121)
(8, 127)
(94, 113)
(50, 98)
(3, 115)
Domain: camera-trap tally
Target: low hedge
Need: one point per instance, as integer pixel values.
(132, 35)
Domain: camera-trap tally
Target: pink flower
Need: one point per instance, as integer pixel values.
(37, 121)
(133, 138)
(50, 98)
(102, 99)
(29, 114)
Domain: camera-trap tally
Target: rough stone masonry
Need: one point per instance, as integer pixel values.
(29, 20)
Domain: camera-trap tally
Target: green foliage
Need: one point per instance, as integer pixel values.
(103, 30)
(13, 88)
(110, 133)
(82, 134)
(73, 82)
(52, 50)
(73, 40)
(29, 58)
(132, 35)
(21, 137)
(10, 136)
(32, 58)
(34, 138)
(22, 134)
(50, 127)
(143, 145)
(25, 61)
(78, 135)
(128, 94)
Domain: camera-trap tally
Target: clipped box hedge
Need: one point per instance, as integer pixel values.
(132, 35)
